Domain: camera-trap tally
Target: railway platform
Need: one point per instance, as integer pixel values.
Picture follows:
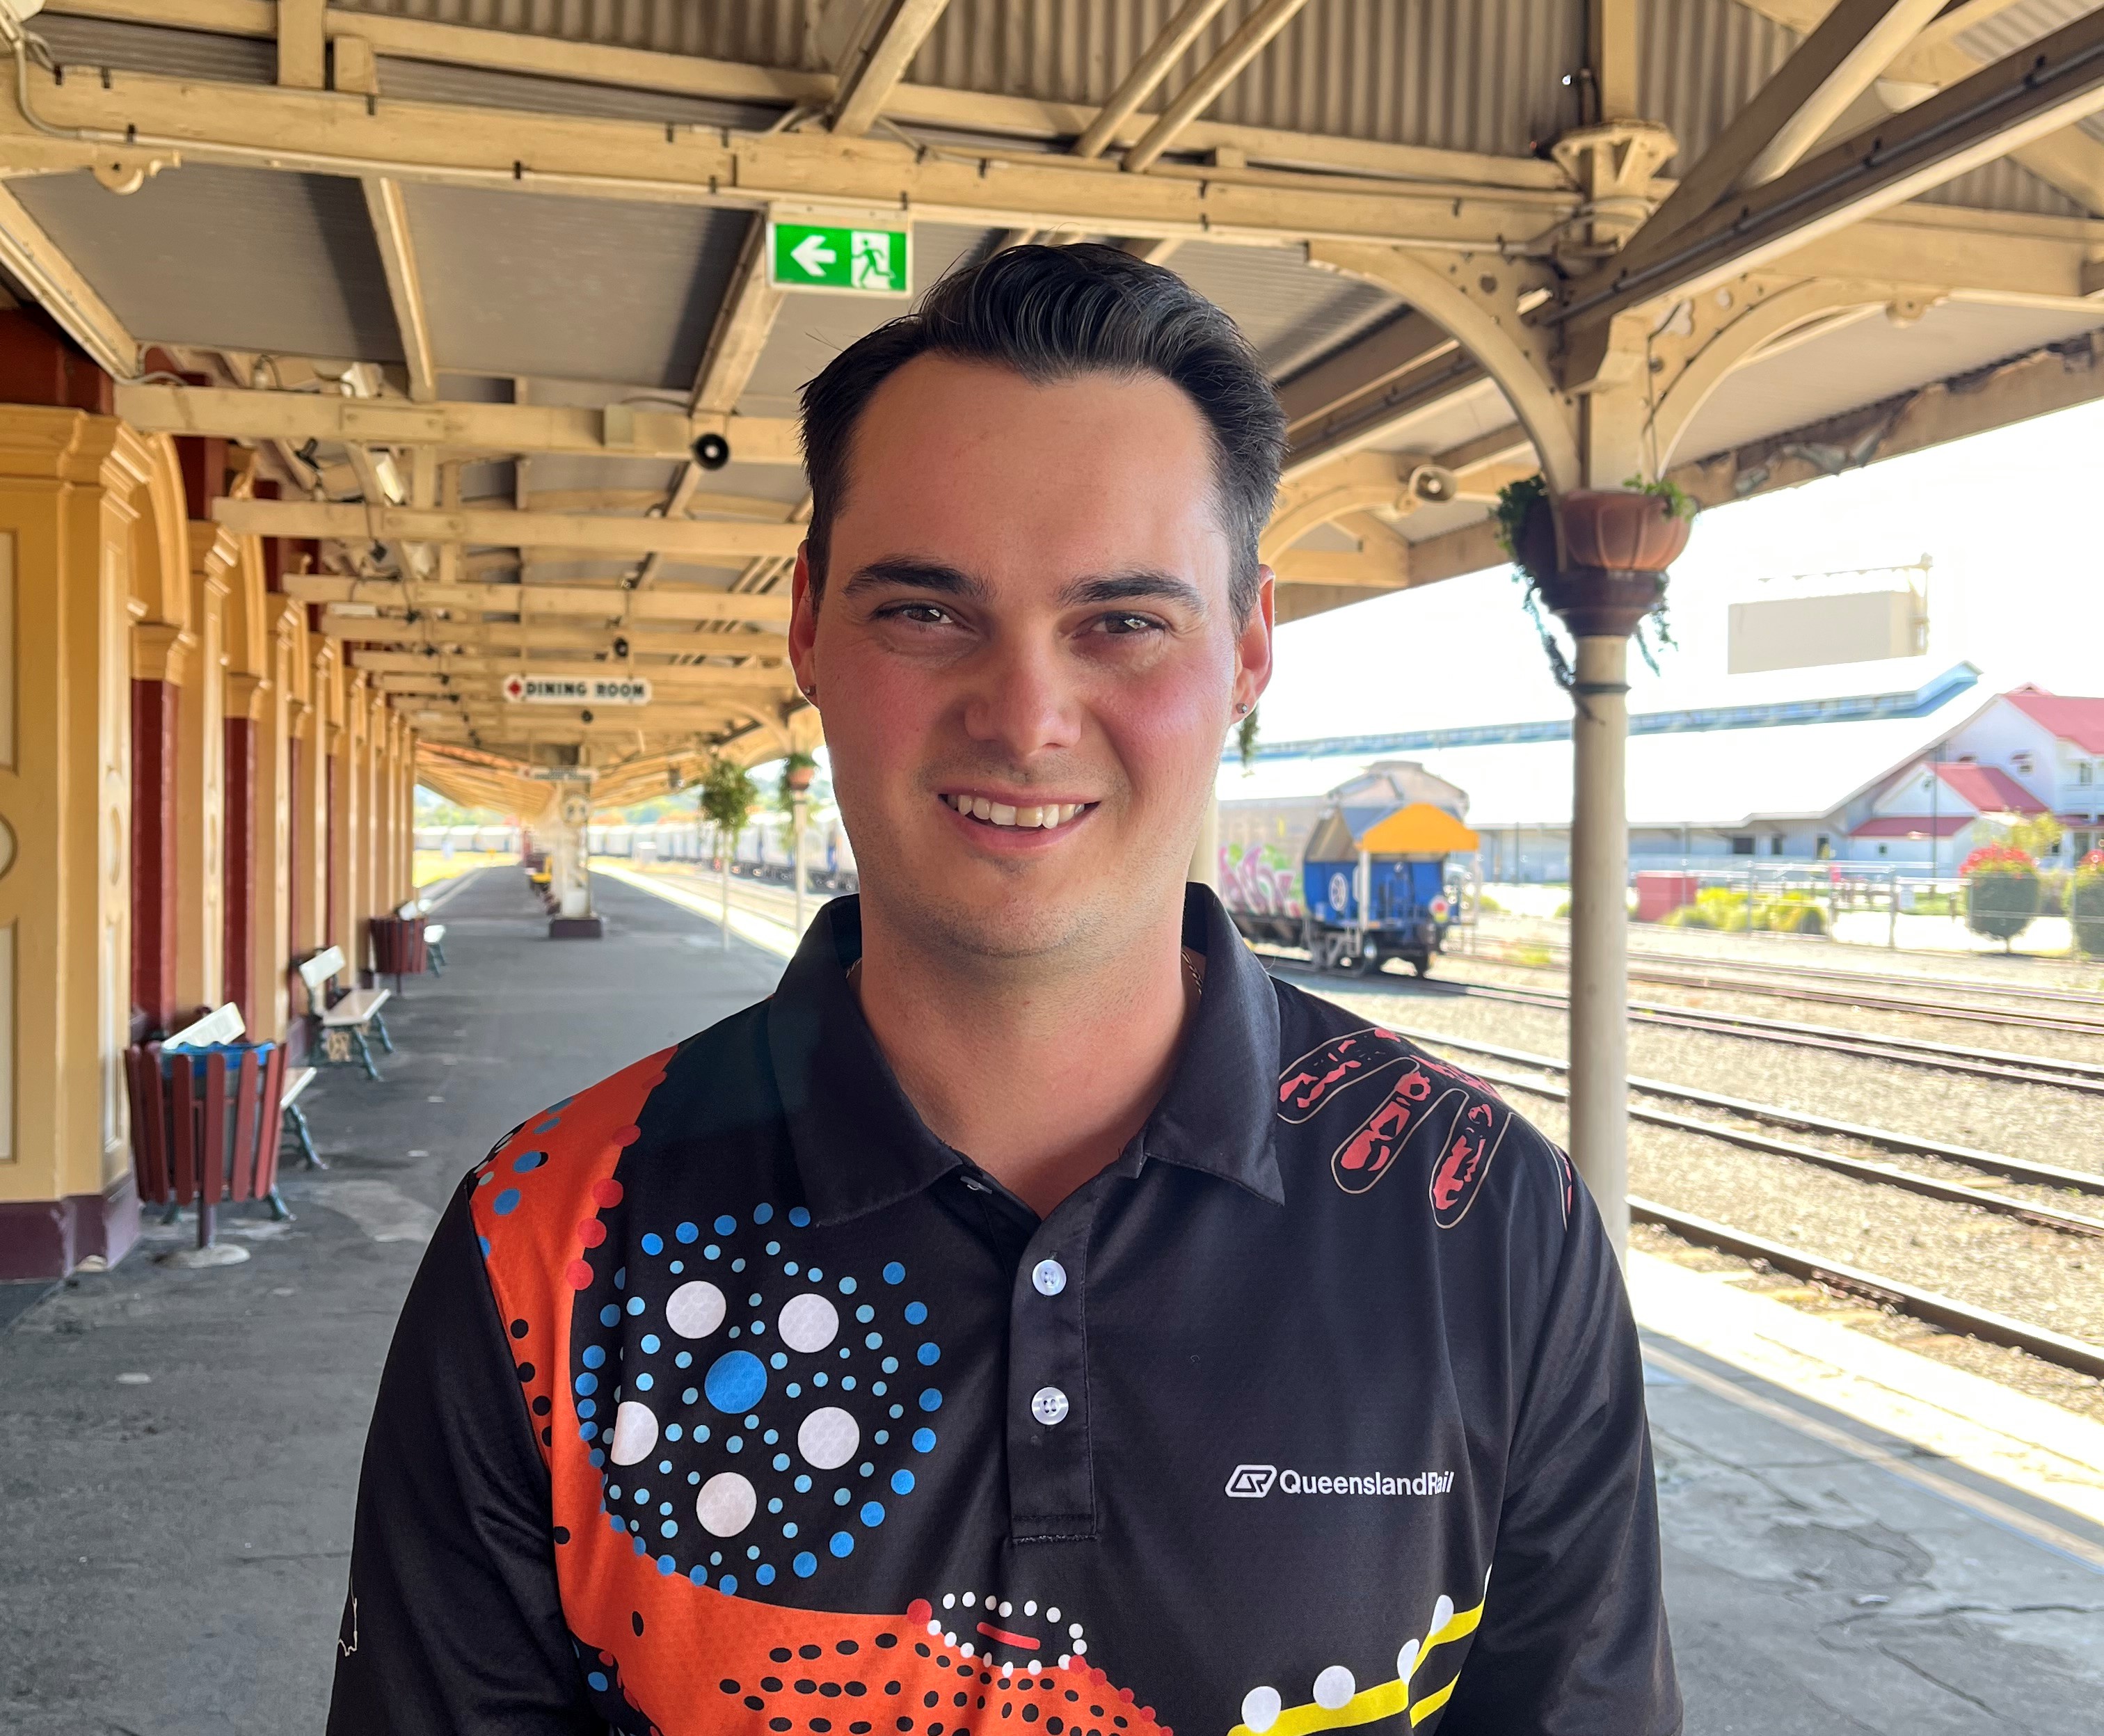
(1848, 1551)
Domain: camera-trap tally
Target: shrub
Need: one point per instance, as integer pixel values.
(1563, 909)
(1805, 919)
(2085, 903)
(1686, 916)
(2001, 891)
(1486, 905)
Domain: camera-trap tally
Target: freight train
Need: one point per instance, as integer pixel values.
(1356, 874)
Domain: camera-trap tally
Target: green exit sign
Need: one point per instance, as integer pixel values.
(808, 256)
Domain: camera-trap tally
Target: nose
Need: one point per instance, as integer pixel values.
(1023, 702)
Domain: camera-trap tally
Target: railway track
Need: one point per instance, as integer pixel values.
(1779, 987)
(1929, 1305)
(1988, 1064)
(1988, 1162)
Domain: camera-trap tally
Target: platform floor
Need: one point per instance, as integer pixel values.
(179, 1450)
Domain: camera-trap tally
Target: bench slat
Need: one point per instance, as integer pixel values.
(296, 1082)
(357, 1006)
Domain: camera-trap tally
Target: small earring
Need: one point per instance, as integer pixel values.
(1240, 709)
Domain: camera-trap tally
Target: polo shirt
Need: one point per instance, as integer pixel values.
(730, 1398)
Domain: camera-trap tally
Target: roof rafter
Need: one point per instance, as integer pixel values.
(878, 61)
(1833, 66)
(1249, 39)
(398, 259)
(1169, 46)
(2048, 85)
(603, 534)
(36, 264)
(603, 604)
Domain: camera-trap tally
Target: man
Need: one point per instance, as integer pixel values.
(1032, 1317)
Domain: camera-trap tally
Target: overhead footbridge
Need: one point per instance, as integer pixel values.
(404, 391)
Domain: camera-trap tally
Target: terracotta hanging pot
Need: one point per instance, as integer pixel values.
(798, 778)
(1621, 532)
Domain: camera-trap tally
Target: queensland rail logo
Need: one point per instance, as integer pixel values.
(1250, 1481)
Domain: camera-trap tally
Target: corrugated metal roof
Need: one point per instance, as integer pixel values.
(770, 32)
(152, 48)
(1289, 311)
(250, 259)
(429, 80)
(1456, 73)
(2023, 24)
(814, 326)
(575, 288)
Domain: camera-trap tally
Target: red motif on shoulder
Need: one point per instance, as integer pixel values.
(1309, 1083)
(1471, 1144)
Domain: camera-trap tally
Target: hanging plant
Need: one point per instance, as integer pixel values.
(1640, 531)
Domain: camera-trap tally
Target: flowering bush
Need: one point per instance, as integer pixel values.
(1999, 858)
(2085, 903)
(2001, 891)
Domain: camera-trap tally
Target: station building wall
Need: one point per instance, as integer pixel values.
(195, 792)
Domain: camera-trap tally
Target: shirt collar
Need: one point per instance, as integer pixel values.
(860, 1144)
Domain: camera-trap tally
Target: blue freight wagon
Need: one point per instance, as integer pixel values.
(1356, 874)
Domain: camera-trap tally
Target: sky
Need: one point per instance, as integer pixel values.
(2012, 523)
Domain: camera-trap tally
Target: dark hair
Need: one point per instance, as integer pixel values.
(1051, 313)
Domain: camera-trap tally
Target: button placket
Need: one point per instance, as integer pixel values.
(1051, 1486)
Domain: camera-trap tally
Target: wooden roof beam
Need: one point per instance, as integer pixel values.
(607, 605)
(2049, 86)
(1832, 67)
(1169, 46)
(1250, 38)
(398, 259)
(878, 61)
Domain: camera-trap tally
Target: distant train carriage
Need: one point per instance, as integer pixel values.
(1356, 875)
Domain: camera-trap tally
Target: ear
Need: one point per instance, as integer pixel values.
(1253, 647)
(803, 623)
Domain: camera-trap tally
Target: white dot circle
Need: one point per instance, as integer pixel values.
(694, 1311)
(1443, 1612)
(635, 1432)
(726, 1505)
(1334, 1688)
(827, 1438)
(809, 1322)
(1406, 1660)
(1260, 1709)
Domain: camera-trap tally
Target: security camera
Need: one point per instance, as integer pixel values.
(621, 648)
(712, 452)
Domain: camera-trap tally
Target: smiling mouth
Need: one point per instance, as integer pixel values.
(1047, 817)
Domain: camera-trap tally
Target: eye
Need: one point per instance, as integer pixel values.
(920, 614)
(1122, 625)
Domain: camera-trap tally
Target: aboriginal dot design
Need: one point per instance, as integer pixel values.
(917, 1677)
(753, 1413)
(508, 1177)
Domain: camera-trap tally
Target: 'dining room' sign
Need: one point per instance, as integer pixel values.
(577, 689)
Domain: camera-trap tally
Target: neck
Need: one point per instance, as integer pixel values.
(1041, 1074)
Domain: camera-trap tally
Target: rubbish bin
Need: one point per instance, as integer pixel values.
(205, 1122)
(398, 947)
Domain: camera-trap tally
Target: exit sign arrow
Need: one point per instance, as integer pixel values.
(861, 259)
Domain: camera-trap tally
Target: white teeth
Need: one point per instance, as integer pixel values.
(1048, 816)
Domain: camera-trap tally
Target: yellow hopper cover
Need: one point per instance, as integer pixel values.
(1418, 830)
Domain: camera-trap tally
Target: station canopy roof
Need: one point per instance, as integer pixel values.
(472, 277)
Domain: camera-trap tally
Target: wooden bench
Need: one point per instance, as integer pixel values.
(435, 934)
(342, 1018)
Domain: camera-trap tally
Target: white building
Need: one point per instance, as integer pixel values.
(1784, 780)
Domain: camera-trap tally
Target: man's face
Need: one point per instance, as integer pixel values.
(1026, 614)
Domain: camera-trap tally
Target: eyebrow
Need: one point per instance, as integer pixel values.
(903, 571)
(1141, 585)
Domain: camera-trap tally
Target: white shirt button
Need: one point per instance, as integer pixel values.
(1048, 1404)
(1049, 1277)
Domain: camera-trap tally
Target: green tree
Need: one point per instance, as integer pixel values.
(728, 794)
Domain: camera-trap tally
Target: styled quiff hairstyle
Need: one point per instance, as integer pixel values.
(1051, 314)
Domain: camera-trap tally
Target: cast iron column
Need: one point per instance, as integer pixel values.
(1602, 608)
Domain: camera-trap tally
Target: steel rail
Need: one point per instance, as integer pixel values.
(1983, 1323)
(1880, 979)
(1705, 977)
(1989, 1064)
(1951, 1193)
(1989, 1163)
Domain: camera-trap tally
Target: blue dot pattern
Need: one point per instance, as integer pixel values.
(817, 1350)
